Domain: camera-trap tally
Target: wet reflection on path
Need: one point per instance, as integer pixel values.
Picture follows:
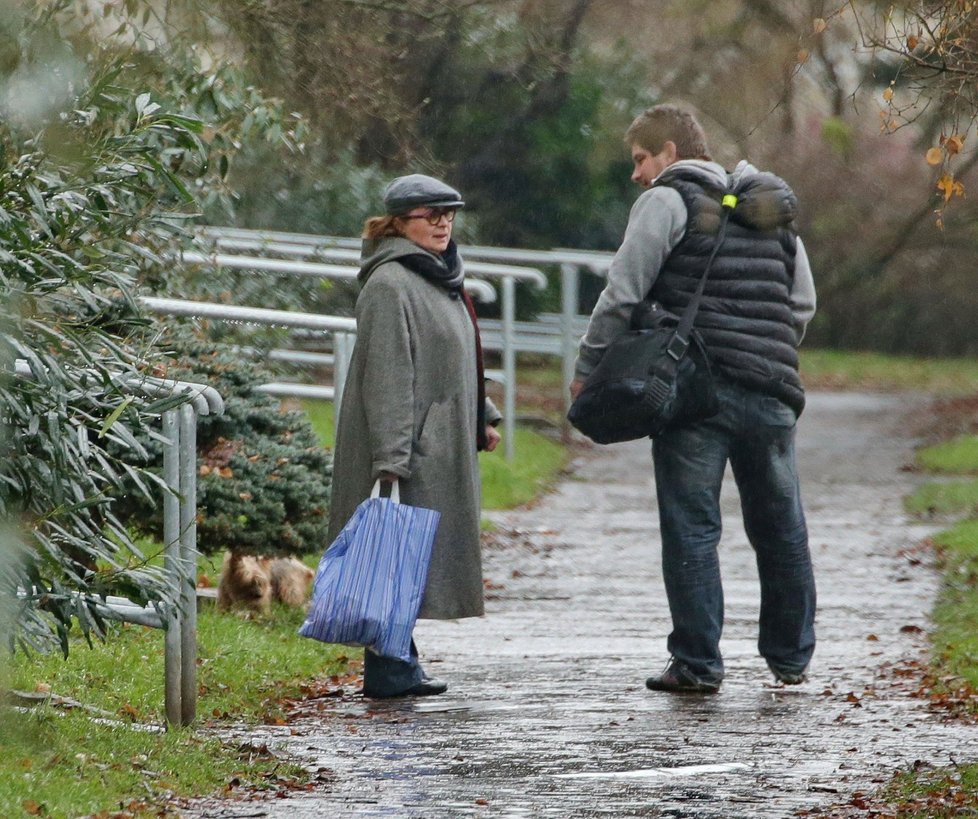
(547, 714)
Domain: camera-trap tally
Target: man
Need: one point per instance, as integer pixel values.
(758, 300)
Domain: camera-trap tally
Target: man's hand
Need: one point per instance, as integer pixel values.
(492, 438)
(575, 388)
(390, 477)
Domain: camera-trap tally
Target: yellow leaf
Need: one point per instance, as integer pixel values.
(802, 56)
(949, 187)
(912, 41)
(819, 25)
(888, 94)
(935, 156)
(954, 144)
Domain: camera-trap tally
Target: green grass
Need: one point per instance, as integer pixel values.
(536, 463)
(958, 456)
(947, 792)
(849, 370)
(69, 765)
(322, 416)
(246, 668)
(955, 639)
(944, 498)
(940, 793)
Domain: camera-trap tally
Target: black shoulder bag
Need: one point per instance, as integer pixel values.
(654, 377)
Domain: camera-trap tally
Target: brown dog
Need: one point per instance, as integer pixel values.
(253, 581)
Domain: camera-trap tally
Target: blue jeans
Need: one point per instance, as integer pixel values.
(756, 433)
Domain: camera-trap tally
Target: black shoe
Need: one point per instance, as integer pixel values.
(680, 679)
(789, 677)
(426, 688)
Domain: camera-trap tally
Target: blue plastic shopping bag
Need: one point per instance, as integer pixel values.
(371, 579)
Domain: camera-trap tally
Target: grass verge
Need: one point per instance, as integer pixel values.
(952, 682)
(958, 456)
(58, 763)
(834, 369)
(940, 499)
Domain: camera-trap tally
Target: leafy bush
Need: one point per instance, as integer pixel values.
(99, 153)
(87, 199)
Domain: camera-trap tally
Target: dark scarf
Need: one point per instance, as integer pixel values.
(450, 277)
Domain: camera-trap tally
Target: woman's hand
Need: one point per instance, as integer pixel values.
(492, 438)
(575, 388)
(390, 477)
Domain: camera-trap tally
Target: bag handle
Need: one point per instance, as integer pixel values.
(395, 491)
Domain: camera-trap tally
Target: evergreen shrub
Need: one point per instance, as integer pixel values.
(263, 483)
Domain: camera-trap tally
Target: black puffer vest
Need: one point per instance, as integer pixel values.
(745, 316)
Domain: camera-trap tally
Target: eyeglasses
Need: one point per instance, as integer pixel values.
(434, 215)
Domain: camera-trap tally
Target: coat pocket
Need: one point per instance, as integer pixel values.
(431, 428)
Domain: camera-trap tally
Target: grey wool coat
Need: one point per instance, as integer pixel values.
(409, 407)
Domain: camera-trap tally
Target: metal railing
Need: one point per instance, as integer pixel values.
(179, 537)
(478, 289)
(342, 329)
(570, 262)
(346, 250)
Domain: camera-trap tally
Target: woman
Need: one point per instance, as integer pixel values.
(414, 408)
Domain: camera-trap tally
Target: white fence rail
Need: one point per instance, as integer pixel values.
(570, 262)
(306, 258)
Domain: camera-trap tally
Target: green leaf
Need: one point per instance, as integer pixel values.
(115, 416)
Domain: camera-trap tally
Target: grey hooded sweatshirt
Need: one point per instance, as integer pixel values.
(656, 225)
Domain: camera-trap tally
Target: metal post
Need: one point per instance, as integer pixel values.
(188, 563)
(569, 282)
(509, 367)
(171, 562)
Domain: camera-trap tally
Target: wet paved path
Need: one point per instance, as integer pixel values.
(547, 714)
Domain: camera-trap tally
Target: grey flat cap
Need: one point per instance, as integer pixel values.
(417, 190)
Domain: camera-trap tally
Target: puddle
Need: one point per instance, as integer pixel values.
(648, 773)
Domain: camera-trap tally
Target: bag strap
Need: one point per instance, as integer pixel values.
(395, 491)
(659, 387)
(680, 341)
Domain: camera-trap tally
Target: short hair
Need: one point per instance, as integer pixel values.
(668, 123)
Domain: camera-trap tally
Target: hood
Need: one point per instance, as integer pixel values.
(712, 174)
(375, 252)
(764, 201)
